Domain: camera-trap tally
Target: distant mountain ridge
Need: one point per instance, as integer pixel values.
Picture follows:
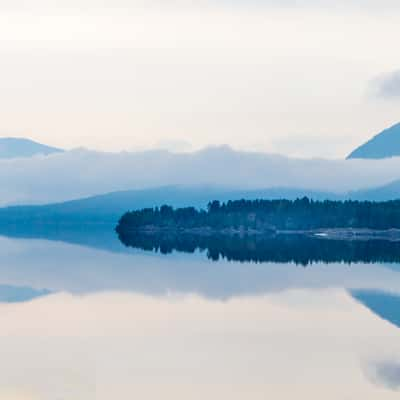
(17, 294)
(108, 208)
(384, 145)
(21, 147)
(390, 191)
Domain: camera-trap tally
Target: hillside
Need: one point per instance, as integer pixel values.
(20, 147)
(385, 305)
(384, 145)
(381, 193)
(109, 207)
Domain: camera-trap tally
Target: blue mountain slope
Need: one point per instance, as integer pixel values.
(16, 294)
(384, 145)
(108, 208)
(384, 305)
(19, 147)
(382, 193)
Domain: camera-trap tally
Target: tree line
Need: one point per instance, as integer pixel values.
(267, 215)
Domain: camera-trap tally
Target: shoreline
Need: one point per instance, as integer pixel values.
(321, 233)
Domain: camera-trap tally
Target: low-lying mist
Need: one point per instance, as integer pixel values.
(82, 173)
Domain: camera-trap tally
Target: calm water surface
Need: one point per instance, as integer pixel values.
(83, 317)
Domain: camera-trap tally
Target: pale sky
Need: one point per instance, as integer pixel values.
(301, 78)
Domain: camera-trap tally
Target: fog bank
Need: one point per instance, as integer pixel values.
(81, 173)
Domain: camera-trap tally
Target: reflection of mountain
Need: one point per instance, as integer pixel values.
(89, 260)
(299, 249)
(98, 236)
(15, 294)
(386, 372)
(385, 305)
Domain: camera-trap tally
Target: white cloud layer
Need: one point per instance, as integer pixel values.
(387, 86)
(83, 173)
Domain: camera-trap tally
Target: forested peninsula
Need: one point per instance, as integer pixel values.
(265, 216)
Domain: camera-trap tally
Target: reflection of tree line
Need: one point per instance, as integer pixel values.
(299, 249)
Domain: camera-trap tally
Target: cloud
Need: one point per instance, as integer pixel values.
(81, 173)
(387, 86)
(386, 373)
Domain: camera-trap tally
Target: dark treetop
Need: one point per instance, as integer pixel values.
(261, 216)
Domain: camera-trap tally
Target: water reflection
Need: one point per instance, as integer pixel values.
(125, 323)
(385, 305)
(16, 294)
(98, 236)
(386, 373)
(302, 344)
(300, 249)
(59, 266)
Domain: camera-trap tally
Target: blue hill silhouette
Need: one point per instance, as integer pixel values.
(108, 208)
(21, 147)
(384, 305)
(384, 145)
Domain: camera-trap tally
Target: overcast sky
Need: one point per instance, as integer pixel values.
(304, 78)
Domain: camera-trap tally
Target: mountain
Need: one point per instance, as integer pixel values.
(20, 147)
(381, 193)
(384, 305)
(108, 208)
(16, 294)
(384, 145)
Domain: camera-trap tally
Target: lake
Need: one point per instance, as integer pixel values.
(84, 317)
